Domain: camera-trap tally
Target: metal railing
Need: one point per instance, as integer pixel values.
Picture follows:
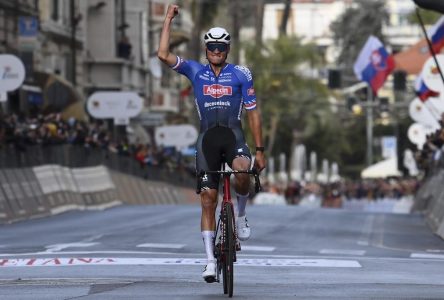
(75, 156)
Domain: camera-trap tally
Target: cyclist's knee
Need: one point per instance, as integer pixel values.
(241, 163)
(242, 179)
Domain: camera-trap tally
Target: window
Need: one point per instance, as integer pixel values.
(158, 99)
(158, 9)
(55, 10)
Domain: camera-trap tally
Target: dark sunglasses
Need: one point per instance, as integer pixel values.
(213, 46)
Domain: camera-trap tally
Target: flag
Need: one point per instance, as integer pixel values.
(422, 91)
(374, 64)
(436, 35)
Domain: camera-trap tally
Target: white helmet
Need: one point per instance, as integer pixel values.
(217, 35)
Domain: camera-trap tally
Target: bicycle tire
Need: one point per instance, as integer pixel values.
(224, 250)
(229, 252)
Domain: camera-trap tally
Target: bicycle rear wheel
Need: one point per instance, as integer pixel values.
(229, 249)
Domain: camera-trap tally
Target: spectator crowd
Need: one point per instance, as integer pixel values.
(20, 133)
(430, 156)
(333, 194)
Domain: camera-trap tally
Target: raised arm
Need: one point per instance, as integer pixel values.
(163, 53)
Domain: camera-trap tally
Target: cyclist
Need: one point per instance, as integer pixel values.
(221, 91)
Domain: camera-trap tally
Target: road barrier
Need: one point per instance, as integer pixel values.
(38, 185)
(430, 200)
(385, 205)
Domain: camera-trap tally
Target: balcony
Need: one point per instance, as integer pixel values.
(402, 35)
(182, 25)
(116, 74)
(61, 32)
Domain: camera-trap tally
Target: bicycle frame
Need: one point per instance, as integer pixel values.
(227, 245)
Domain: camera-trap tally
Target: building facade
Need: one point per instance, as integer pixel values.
(12, 13)
(80, 47)
(310, 20)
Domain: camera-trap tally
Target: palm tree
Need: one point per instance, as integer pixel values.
(290, 100)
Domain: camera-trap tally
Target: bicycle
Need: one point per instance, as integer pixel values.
(225, 244)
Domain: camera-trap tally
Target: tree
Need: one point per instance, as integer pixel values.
(203, 13)
(289, 98)
(429, 17)
(259, 21)
(286, 15)
(352, 29)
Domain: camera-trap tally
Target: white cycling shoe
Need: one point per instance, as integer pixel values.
(243, 230)
(209, 273)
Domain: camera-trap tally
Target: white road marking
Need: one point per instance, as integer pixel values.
(57, 247)
(426, 255)
(257, 248)
(172, 254)
(167, 246)
(67, 261)
(342, 251)
(435, 250)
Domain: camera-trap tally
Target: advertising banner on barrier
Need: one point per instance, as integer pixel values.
(112, 105)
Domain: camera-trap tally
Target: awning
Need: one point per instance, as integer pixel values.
(59, 93)
(382, 169)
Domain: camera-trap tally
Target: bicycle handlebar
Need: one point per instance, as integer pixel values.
(254, 172)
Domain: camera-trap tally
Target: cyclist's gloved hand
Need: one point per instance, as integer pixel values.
(260, 161)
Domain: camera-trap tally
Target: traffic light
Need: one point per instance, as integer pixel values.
(399, 80)
(334, 79)
(351, 100)
(384, 104)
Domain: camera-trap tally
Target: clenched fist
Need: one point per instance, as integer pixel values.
(172, 11)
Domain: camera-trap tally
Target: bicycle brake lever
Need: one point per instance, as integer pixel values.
(257, 185)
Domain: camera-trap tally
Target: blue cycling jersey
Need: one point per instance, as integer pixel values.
(219, 99)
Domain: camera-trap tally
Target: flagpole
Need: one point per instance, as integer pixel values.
(369, 126)
(429, 43)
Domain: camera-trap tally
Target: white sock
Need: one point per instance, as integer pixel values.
(208, 237)
(241, 204)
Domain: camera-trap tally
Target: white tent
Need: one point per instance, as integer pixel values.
(382, 169)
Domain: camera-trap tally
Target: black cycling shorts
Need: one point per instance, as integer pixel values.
(215, 146)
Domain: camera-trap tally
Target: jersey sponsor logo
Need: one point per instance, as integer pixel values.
(246, 72)
(205, 178)
(203, 77)
(251, 92)
(217, 103)
(217, 90)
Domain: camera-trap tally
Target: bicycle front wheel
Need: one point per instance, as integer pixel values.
(229, 250)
